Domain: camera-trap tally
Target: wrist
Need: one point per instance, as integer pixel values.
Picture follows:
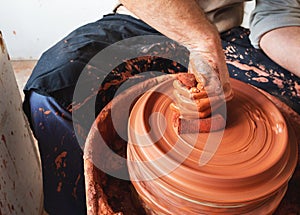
(203, 39)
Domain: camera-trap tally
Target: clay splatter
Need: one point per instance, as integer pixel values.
(278, 82)
(74, 193)
(59, 160)
(261, 79)
(297, 88)
(247, 67)
(47, 112)
(59, 186)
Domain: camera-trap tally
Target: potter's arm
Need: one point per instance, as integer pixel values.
(275, 28)
(186, 23)
(282, 45)
(183, 21)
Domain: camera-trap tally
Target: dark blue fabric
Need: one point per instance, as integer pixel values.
(61, 156)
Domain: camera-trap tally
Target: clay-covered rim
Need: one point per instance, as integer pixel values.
(275, 169)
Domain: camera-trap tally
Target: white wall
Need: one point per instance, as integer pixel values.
(29, 27)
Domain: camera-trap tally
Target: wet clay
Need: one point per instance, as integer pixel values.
(243, 169)
(194, 105)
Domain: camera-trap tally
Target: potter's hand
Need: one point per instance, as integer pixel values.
(211, 88)
(207, 63)
(195, 98)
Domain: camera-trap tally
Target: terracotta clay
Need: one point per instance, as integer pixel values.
(245, 173)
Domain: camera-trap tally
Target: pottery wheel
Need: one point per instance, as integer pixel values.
(253, 160)
(107, 194)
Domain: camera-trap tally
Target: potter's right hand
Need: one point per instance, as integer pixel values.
(211, 71)
(212, 87)
(194, 97)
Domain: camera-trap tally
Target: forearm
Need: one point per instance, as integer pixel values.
(282, 45)
(182, 21)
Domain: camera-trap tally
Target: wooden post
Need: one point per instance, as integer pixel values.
(21, 187)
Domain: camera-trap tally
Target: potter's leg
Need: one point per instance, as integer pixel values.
(61, 156)
(252, 66)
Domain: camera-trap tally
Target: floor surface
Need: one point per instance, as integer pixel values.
(22, 69)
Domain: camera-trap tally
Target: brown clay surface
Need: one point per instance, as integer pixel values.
(98, 197)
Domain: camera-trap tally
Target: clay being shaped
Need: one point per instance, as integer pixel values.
(247, 173)
(196, 105)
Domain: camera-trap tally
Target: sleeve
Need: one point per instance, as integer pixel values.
(272, 14)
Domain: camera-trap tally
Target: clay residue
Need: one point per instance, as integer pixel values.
(261, 79)
(263, 75)
(59, 160)
(59, 186)
(230, 51)
(246, 67)
(47, 112)
(278, 82)
(74, 193)
(297, 88)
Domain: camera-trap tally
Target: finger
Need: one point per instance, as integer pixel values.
(199, 95)
(181, 89)
(190, 114)
(207, 112)
(201, 80)
(203, 104)
(213, 85)
(192, 93)
(182, 111)
(198, 104)
(174, 108)
(193, 114)
(184, 102)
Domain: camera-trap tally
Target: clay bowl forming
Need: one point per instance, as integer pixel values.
(226, 185)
